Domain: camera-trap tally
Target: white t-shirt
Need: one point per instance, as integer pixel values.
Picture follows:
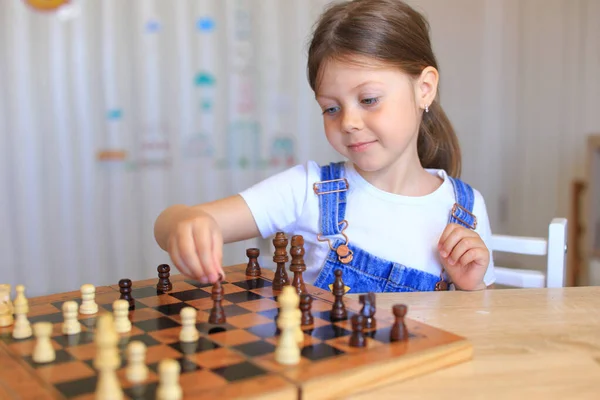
(401, 229)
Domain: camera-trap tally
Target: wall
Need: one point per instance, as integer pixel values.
(179, 96)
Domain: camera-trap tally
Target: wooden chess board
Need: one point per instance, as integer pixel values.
(231, 360)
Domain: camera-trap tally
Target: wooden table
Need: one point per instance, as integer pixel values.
(528, 344)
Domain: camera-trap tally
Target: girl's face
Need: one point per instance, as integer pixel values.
(370, 114)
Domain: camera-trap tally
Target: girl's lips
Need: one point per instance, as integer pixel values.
(362, 146)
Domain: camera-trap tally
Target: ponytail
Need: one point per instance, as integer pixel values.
(437, 144)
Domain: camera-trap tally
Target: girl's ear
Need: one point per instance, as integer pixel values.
(427, 87)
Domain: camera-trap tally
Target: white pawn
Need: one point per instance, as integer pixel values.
(107, 360)
(6, 317)
(22, 329)
(43, 352)
(71, 325)
(5, 296)
(121, 314)
(88, 302)
(6, 306)
(137, 371)
(287, 351)
(169, 388)
(188, 332)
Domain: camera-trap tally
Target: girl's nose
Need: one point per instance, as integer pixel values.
(352, 121)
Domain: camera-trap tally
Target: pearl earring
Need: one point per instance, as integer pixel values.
(426, 108)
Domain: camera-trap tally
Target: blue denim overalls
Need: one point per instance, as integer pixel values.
(362, 271)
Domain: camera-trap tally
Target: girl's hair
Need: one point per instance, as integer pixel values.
(392, 32)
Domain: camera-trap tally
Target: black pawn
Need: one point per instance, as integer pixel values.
(399, 331)
(217, 313)
(368, 309)
(338, 311)
(164, 284)
(358, 339)
(253, 268)
(125, 289)
(280, 257)
(297, 266)
(305, 306)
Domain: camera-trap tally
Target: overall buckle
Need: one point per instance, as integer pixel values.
(457, 207)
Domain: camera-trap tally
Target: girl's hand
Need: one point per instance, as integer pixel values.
(464, 256)
(195, 245)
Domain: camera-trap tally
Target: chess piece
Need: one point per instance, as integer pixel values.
(164, 284)
(43, 352)
(295, 314)
(399, 331)
(20, 297)
(125, 290)
(88, 302)
(136, 371)
(6, 317)
(297, 265)
(368, 309)
(217, 314)
(71, 325)
(188, 332)
(168, 387)
(5, 297)
(22, 328)
(253, 268)
(121, 316)
(358, 339)
(305, 307)
(287, 351)
(107, 359)
(338, 311)
(280, 257)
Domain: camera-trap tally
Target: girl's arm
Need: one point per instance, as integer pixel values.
(194, 236)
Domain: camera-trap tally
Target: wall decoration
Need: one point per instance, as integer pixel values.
(204, 78)
(46, 5)
(245, 99)
(111, 155)
(206, 105)
(205, 24)
(242, 145)
(153, 148)
(198, 146)
(114, 114)
(282, 152)
(154, 152)
(153, 26)
(243, 24)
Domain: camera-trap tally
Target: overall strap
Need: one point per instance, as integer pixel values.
(332, 198)
(462, 211)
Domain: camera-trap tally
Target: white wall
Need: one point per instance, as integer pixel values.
(519, 81)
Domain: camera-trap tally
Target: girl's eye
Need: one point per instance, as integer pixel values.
(330, 110)
(370, 101)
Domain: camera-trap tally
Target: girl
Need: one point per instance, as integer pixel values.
(394, 217)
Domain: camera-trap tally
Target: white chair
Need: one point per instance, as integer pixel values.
(554, 248)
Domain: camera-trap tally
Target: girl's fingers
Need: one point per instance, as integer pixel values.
(187, 251)
(218, 254)
(174, 253)
(203, 247)
(444, 236)
(451, 236)
(465, 244)
(470, 256)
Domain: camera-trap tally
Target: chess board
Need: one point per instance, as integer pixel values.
(231, 360)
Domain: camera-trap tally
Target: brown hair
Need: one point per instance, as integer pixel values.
(392, 32)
